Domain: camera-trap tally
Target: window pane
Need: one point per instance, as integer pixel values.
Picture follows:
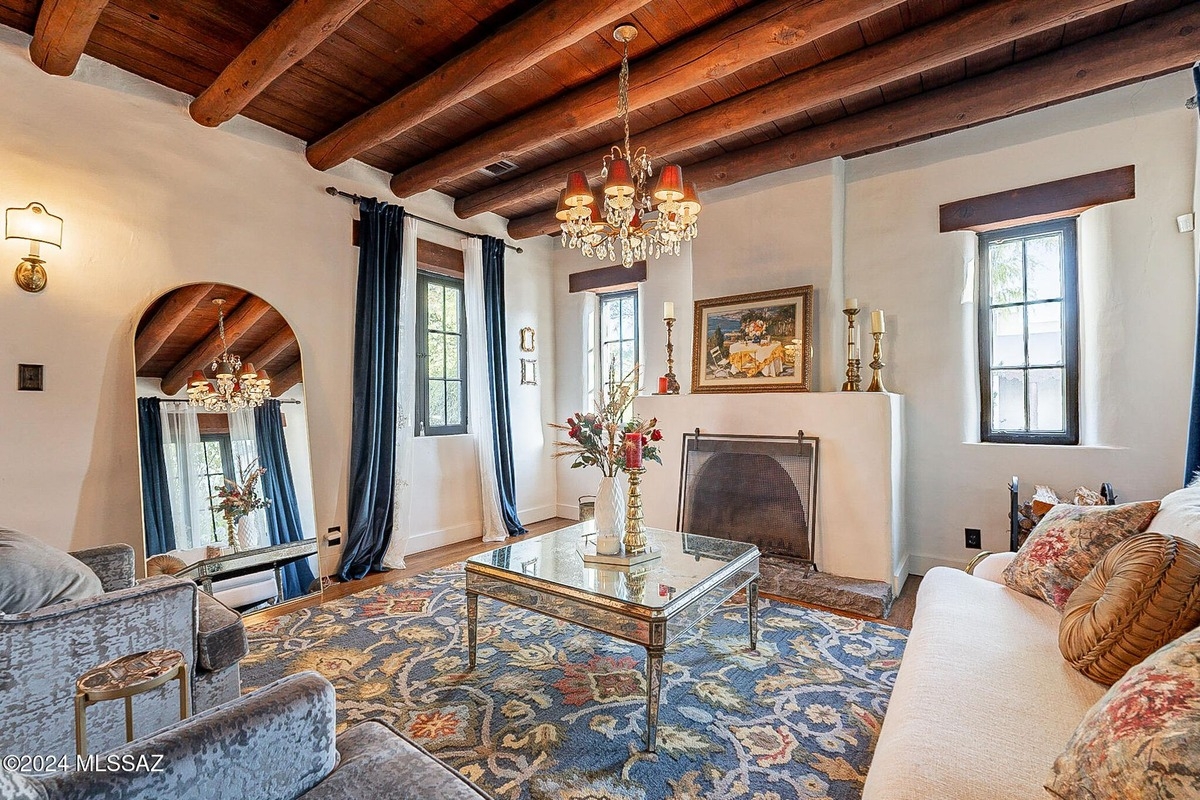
(436, 297)
(610, 363)
(437, 404)
(453, 299)
(1045, 333)
(1004, 272)
(611, 320)
(1008, 337)
(1043, 264)
(628, 359)
(452, 355)
(437, 355)
(627, 318)
(454, 415)
(1008, 400)
(1047, 408)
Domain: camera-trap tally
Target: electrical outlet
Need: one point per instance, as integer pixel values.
(974, 539)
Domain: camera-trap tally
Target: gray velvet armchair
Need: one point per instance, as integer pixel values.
(43, 652)
(276, 743)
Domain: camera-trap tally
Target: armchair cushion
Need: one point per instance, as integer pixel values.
(112, 563)
(34, 575)
(221, 636)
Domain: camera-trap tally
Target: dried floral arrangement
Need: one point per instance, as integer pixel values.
(597, 439)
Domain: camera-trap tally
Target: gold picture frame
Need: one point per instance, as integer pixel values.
(527, 340)
(757, 342)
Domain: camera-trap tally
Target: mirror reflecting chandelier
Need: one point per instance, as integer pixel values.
(630, 219)
(233, 386)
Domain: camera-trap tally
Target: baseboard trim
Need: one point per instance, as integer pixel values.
(919, 565)
(430, 540)
(538, 513)
(568, 511)
(900, 575)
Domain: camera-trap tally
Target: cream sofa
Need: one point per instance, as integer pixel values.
(984, 701)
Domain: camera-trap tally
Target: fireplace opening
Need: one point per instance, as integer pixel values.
(755, 489)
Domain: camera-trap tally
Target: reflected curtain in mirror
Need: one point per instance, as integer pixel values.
(156, 498)
(283, 513)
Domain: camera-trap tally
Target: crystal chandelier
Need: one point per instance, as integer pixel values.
(630, 219)
(234, 387)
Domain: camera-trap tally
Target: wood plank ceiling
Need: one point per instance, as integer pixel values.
(741, 87)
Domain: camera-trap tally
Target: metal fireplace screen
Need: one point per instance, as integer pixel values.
(756, 489)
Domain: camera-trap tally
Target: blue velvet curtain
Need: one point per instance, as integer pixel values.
(1192, 456)
(493, 303)
(373, 422)
(156, 497)
(283, 514)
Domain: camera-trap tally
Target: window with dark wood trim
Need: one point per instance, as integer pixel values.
(441, 402)
(1029, 334)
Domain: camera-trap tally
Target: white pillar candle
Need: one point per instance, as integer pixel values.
(668, 310)
(877, 321)
(851, 303)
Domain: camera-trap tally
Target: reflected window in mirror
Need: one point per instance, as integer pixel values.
(441, 356)
(218, 468)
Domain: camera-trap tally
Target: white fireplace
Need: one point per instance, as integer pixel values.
(860, 529)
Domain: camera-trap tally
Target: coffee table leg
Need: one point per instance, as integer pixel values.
(654, 662)
(472, 618)
(752, 609)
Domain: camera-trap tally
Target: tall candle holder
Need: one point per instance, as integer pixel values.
(853, 376)
(672, 383)
(635, 526)
(877, 364)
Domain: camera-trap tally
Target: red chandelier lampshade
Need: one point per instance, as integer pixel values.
(578, 193)
(690, 202)
(620, 179)
(563, 212)
(670, 183)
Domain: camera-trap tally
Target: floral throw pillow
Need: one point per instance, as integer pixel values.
(1067, 543)
(1139, 741)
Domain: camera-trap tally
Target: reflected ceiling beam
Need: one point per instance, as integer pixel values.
(1154, 46)
(62, 32)
(295, 33)
(752, 35)
(281, 340)
(548, 28)
(174, 310)
(286, 378)
(237, 322)
(936, 44)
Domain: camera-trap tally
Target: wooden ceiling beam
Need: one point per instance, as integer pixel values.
(295, 33)
(174, 310)
(281, 340)
(933, 45)
(286, 378)
(1154, 46)
(237, 322)
(546, 29)
(61, 33)
(752, 35)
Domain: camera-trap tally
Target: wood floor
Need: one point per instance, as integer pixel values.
(901, 616)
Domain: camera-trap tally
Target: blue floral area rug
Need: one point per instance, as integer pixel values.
(553, 710)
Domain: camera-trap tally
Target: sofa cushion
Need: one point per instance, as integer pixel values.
(1179, 515)
(34, 575)
(1067, 543)
(983, 703)
(1139, 741)
(15, 786)
(1144, 593)
(221, 636)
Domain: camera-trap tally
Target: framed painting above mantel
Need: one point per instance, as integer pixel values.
(759, 342)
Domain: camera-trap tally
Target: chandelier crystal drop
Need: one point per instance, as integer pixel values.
(632, 221)
(233, 386)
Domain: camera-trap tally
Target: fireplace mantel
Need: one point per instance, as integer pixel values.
(860, 484)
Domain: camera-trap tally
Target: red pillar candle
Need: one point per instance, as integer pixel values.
(662, 385)
(633, 451)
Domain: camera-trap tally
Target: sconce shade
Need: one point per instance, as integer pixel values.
(670, 183)
(620, 179)
(578, 193)
(690, 202)
(33, 222)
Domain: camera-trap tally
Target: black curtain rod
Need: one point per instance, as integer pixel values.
(333, 191)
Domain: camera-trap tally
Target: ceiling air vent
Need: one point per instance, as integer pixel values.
(499, 168)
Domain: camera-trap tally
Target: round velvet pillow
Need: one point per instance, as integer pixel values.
(1144, 593)
(164, 565)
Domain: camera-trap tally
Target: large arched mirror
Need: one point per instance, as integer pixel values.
(223, 440)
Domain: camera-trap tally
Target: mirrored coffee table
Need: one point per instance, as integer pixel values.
(650, 604)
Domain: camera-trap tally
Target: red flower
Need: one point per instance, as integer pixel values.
(656, 435)
(574, 432)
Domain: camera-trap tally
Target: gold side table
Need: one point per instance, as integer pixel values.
(125, 678)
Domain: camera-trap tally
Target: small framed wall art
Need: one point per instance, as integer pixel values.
(529, 372)
(758, 342)
(527, 340)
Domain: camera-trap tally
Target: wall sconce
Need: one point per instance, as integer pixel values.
(35, 223)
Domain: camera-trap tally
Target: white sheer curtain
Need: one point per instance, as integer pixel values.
(479, 401)
(243, 439)
(191, 508)
(406, 387)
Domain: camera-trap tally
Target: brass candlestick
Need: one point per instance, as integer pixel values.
(635, 526)
(672, 383)
(853, 378)
(877, 365)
